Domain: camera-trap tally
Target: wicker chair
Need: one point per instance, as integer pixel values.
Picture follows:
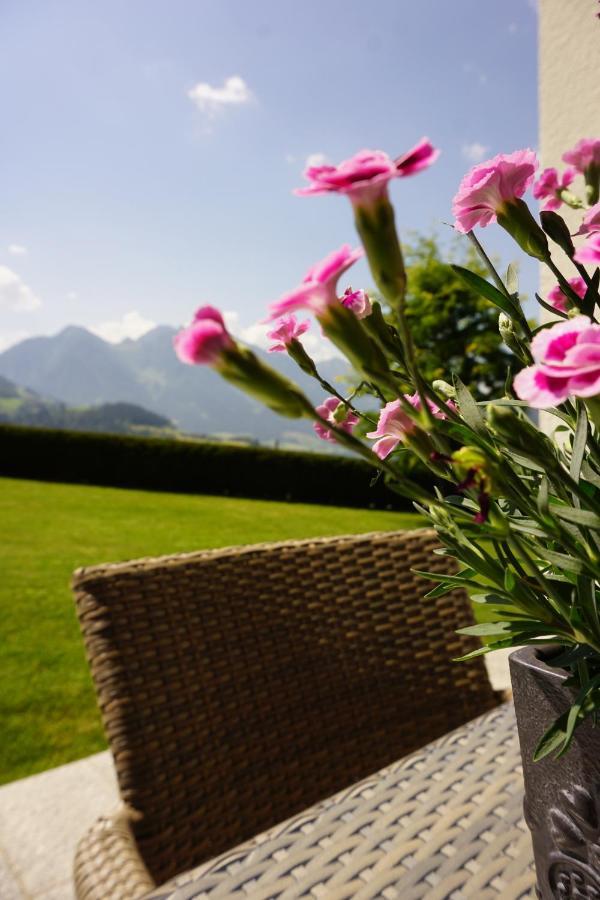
(240, 686)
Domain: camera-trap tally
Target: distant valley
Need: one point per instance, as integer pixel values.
(22, 406)
(75, 377)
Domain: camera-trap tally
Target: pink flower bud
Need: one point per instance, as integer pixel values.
(584, 154)
(590, 251)
(365, 176)
(288, 330)
(591, 220)
(358, 302)
(487, 187)
(204, 340)
(549, 185)
(559, 300)
(334, 411)
(318, 289)
(395, 424)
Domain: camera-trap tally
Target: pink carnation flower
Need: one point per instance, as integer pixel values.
(485, 190)
(559, 300)
(318, 289)
(567, 364)
(364, 177)
(358, 302)
(590, 251)
(549, 185)
(585, 153)
(395, 424)
(288, 330)
(591, 220)
(330, 410)
(204, 340)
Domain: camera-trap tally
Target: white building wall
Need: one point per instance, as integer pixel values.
(569, 87)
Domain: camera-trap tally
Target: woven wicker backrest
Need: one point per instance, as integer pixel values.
(240, 686)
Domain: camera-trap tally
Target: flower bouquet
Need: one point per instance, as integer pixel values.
(516, 505)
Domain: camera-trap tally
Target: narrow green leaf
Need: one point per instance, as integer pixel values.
(553, 739)
(460, 579)
(509, 581)
(440, 591)
(504, 401)
(508, 382)
(512, 278)
(486, 648)
(526, 462)
(571, 656)
(551, 309)
(590, 474)
(563, 562)
(496, 599)
(559, 736)
(586, 595)
(468, 407)
(591, 295)
(584, 517)
(508, 401)
(504, 644)
(543, 497)
(487, 290)
(482, 629)
(579, 442)
(528, 526)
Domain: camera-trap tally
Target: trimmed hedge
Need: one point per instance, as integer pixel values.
(191, 467)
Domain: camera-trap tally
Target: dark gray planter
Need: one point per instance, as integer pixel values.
(562, 797)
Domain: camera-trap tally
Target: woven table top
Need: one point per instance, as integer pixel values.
(445, 823)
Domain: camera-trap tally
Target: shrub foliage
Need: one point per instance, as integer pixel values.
(194, 467)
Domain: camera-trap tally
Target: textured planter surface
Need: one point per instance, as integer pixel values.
(562, 797)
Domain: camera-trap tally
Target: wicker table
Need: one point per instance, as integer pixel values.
(443, 823)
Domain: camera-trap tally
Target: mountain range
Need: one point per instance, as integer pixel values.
(78, 368)
(22, 406)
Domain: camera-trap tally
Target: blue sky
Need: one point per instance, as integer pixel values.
(127, 201)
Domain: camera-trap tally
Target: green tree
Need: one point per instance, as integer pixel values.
(454, 328)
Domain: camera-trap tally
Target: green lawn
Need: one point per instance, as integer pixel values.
(48, 714)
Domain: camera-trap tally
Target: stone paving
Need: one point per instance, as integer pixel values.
(43, 817)
(41, 820)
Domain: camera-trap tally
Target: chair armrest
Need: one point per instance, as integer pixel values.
(108, 865)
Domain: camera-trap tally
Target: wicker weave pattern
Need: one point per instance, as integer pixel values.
(445, 823)
(109, 866)
(241, 686)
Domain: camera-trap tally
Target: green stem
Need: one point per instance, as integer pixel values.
(408, 488)
(347, 403)
(499, 283)
(564, 284)
(554, 599)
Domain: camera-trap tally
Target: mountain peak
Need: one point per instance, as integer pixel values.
(158, 333)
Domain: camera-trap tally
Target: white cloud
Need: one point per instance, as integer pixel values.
(314, 343)
(14, 293)
(72, 295)
(9, 338)
(131, 325)
(474, 152)
(211, 100)
(17, 250)
(317, 346)
(316, 159)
